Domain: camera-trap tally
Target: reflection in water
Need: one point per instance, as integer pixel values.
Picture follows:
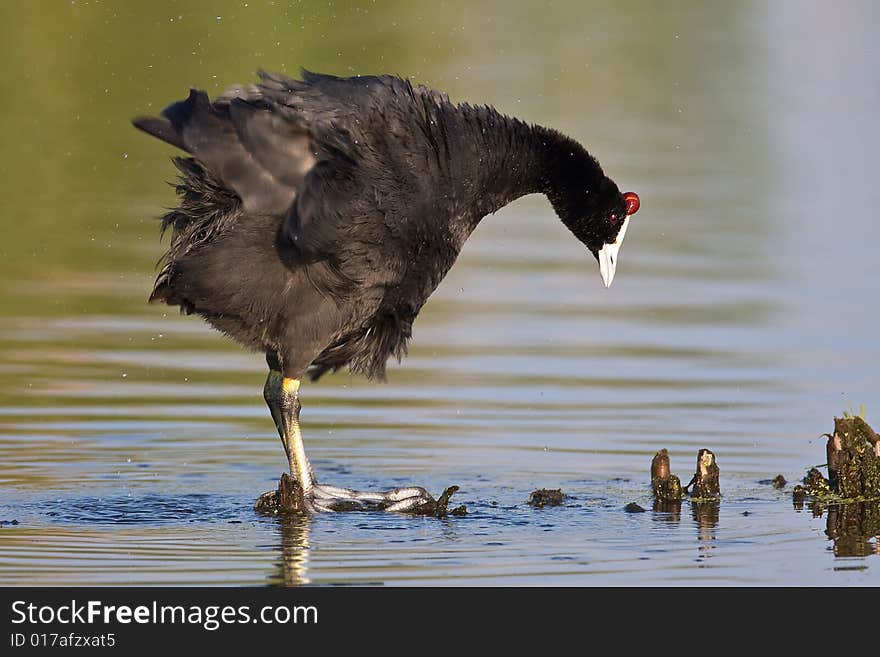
(706, 516)
(670, 510)
(704, 513)
(854, 528)
(292, 566)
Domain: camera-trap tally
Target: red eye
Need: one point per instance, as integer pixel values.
(613, 218)
(632, 202)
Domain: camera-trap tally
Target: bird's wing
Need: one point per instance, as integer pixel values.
(259, 153)
(315, 151)
(371, 158)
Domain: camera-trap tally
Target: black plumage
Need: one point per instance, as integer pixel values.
(318, 215)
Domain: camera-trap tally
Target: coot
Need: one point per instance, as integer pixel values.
(317, 216)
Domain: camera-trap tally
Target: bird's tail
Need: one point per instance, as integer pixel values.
(245, 156)
(207, 208)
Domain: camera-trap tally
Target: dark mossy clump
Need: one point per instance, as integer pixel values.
(632, 507)
(665, 485)
(546, 497)
(853, 452)
(777, 482)
(289, 498)
(705, 482)
(440, 508)
(815, 484)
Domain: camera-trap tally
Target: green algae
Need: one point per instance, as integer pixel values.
(853, 462)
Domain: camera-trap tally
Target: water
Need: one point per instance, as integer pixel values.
(743, 317)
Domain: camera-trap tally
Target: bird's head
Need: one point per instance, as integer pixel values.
(599, 217)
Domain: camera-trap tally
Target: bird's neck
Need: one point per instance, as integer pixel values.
(508, 158)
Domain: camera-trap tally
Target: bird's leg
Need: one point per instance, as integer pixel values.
(282, 398)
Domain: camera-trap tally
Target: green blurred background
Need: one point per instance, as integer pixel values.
(79, 185)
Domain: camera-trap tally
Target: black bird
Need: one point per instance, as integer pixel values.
(318, 215)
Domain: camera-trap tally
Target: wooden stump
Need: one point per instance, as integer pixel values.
(665, 485)
(705, 481)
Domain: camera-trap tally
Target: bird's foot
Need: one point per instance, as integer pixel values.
(290, 497)
(409, 500)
